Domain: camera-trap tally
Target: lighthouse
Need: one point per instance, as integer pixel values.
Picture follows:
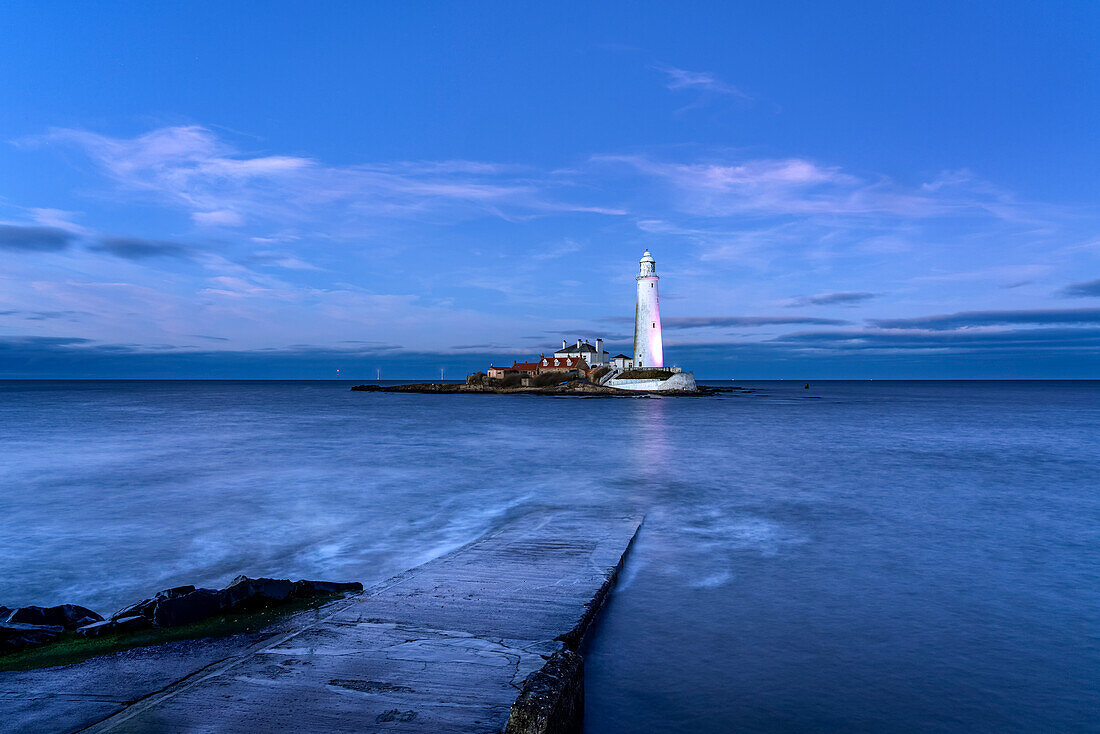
(648, 348)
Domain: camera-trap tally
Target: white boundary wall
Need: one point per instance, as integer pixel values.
(679, 381)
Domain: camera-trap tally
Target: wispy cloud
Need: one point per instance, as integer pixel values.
(1016, 274)
(135, 248)
(699, 322)
(957, 340)
(34, 239)
(847, 298)
(218, 218)
(967, 319)
(220, 185)
(701, 81)
(489, 346)
(277, 259)
(561, 249)
(14, 342)
(797, 186)
(58, 219)
(1086, 289)
(45, 315)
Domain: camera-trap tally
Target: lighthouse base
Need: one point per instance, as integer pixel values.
(678, 381)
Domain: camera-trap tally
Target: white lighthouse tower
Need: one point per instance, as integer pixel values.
(648, 348)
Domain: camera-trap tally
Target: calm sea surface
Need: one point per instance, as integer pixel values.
(885, 556)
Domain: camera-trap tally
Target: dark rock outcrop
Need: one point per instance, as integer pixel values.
(305, 589)
(15, 636)
(145, 607)
(245, 593)
(131, 624)
(184, 605)
(69, 616)
(182, 609)
(552, 698)
(115, 626)
(96, 629)
(176, 607)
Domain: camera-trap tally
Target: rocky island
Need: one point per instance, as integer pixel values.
(584, 368)
(573, 387)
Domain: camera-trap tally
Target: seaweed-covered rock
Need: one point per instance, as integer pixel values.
(181, 605)
(189, 608)
(114, 626)
(305, 589)
(15, 636)
(96, 629)
(69, 616)
(144, 608)
(131, 624)
(245, 593)
(174, 607)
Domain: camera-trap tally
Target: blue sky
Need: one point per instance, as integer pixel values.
(283, 190)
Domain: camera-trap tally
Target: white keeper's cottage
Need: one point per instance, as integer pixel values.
(595, 356)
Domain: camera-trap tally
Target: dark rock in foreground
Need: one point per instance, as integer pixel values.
(187, 608)
(179, 606)
(246, 593)
(33, 626)
(69, 616)
(115, 626)
(183, 605)
(305, 589)
(15, 636)
(147, 607)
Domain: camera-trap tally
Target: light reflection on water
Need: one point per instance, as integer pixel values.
(648, 438)
(893, 556)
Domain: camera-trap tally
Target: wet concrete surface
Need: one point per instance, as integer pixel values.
(443, 647)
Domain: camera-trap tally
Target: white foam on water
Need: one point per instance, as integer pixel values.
(716, 579)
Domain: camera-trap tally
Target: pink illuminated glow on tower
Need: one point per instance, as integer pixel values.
(648, 347)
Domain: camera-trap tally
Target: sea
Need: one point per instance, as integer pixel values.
(871, 556)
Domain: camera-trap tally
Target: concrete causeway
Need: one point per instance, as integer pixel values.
(444, 647)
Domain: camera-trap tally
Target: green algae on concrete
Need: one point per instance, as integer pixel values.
(73, 648)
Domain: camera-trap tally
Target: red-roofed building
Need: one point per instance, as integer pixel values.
(530, 368)
(566, 366)
(562, 364)
(526, 369)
